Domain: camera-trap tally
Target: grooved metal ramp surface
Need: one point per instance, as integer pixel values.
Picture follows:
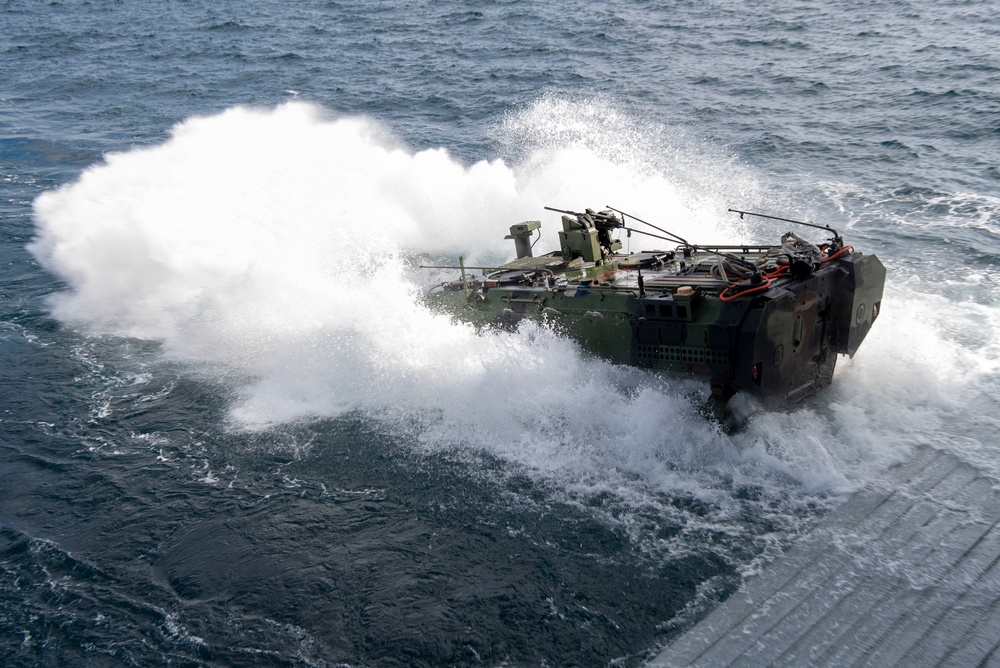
(905, 573)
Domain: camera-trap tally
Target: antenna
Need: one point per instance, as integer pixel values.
(836, 235)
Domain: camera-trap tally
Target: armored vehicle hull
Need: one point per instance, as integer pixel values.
(766, 320)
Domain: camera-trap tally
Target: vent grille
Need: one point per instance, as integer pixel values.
(652, 354)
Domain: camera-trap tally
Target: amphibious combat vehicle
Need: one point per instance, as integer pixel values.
(765, 320)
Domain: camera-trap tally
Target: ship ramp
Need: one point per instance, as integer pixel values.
(905, 573)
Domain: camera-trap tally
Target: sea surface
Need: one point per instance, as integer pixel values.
(231, 434)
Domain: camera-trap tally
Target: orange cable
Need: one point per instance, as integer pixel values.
(728, 298)
(837, 254)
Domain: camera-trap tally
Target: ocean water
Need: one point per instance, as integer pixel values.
(230, 432)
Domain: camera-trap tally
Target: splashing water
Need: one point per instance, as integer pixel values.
(271, 246)
(272, 242)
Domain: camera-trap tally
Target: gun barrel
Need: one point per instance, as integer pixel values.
(568, 213)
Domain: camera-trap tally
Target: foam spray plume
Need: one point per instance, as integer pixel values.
(271, 242)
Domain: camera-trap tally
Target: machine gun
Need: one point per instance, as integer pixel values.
(588, 234)
(600, 220)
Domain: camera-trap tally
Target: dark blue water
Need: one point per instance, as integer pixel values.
(230, 434)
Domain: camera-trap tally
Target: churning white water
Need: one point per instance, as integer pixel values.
(277, 249)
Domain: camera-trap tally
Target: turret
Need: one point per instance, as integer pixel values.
(588, 235)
